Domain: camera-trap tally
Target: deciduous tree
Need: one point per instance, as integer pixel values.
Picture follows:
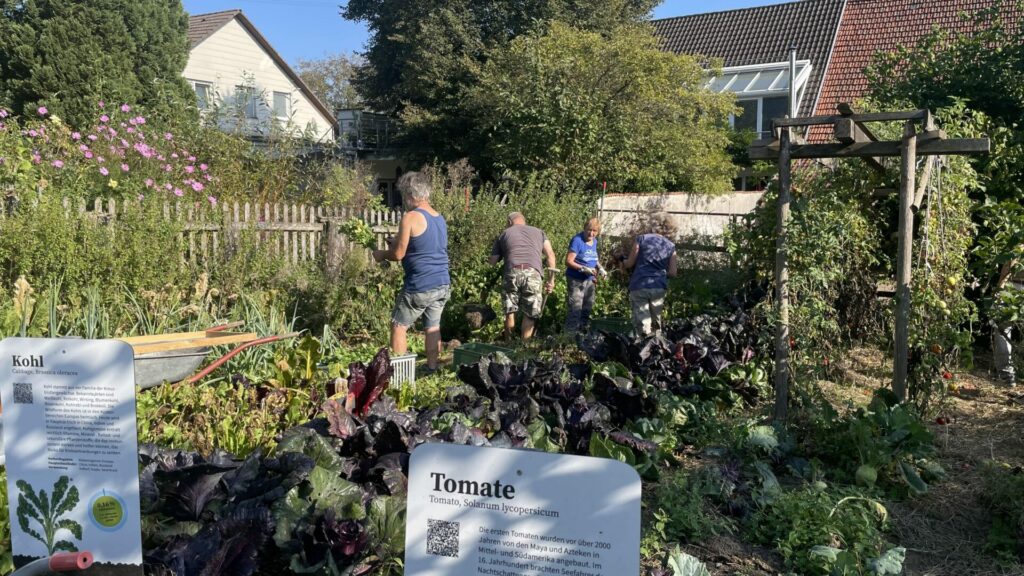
(983, 67)
(330, 78)
(597, 107)
(423, 56)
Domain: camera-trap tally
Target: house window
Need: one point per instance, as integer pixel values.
(204, 94)
(772, 108)
(282, 105)
(748, 119)
(762, 92)
(247, 97)
(758, 114)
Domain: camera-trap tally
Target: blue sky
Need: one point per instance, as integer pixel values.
(310, 29)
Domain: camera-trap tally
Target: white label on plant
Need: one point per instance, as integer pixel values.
(500, 512)
(72, 450)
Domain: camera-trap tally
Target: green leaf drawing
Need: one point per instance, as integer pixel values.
(47, 513)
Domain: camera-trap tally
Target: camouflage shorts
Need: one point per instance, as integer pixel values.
(524, 290)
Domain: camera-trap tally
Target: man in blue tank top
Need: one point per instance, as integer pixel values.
(422, 247)
(654, 258)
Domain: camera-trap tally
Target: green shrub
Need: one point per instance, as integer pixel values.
(820, 531)
(834, 250)
(6, 554)
(678, 511)
(45, 242)
(1003, 496)
(885, 442)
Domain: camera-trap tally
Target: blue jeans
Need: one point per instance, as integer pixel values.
(579, 301)
(411, 305)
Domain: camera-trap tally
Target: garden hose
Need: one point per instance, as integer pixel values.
(59, 562)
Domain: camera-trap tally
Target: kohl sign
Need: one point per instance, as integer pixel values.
(71, 446)
(501, 512)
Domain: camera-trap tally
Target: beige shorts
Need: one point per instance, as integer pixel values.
(524, 291)
(647, 304)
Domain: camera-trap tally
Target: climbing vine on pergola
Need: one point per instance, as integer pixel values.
(853, 139)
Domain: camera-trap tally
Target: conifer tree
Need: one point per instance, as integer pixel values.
(67, 55)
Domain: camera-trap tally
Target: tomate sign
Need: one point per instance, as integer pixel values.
(499, 512)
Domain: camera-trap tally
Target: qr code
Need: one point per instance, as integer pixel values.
(443, 538)
(22, 393)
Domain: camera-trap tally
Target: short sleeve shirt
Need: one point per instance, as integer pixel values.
(586, 255)
(520, 245)
(651, 271)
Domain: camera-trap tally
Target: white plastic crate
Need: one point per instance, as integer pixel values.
(403, 370)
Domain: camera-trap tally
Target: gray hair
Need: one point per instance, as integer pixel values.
(662, 224)
(415, 185)
(513, 216)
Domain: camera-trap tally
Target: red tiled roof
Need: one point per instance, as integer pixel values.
(870, 26)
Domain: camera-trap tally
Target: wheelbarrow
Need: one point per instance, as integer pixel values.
(174, 357)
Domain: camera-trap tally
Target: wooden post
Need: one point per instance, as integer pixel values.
(782, 280)
(904, 259)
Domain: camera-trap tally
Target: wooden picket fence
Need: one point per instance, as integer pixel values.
(295, 232)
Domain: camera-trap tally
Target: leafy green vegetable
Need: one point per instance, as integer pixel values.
(682, 564)
(890, 563)
(359, 232)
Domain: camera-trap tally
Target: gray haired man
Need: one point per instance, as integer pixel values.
(422, 247)
(521, 247)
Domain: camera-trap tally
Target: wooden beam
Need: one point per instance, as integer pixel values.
(904, 261)
(849, 132)
(922, 185)
(845, 109)
(929, 147)
(220, 339)
(931, 135)
(781, 376)
(870, 117)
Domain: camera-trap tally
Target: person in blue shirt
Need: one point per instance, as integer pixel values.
(422, 247)
(581, 274)
(653, 259)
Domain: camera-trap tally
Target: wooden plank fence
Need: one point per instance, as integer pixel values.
(294, 232)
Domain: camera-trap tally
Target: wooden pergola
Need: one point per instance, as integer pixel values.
(853, 139)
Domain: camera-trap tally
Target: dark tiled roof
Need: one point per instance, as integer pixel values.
(759, 36)
(871, 26)
(202, 26)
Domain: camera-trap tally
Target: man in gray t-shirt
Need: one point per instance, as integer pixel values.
(521, 246)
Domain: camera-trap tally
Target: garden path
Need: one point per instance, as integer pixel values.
(945, 530)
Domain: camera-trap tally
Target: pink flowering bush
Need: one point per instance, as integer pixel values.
(119, 157)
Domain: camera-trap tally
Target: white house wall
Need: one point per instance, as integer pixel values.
(228, 56)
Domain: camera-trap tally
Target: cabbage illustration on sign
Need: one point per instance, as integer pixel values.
(49, 513)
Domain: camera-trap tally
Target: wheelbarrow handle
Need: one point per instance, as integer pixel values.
(220, 361)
